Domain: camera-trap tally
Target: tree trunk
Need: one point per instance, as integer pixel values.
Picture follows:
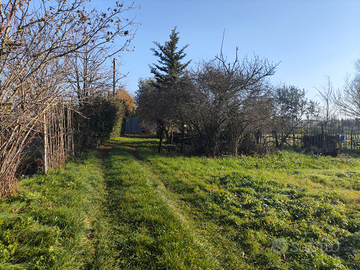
(236, 148)
(183, 138)
(276, 138)
(294, 143)
(323, 139)
(161, 139)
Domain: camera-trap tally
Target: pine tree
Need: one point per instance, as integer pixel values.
(168, 74)
(169, 69)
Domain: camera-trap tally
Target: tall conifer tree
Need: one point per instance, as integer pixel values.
(169, 69)
(168, 73)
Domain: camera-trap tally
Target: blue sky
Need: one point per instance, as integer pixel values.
(311, 39)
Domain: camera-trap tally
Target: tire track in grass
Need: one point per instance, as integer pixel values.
(171, 200)
(209, 236)
(149, 231)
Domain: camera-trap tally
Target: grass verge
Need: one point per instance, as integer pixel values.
(55, 220)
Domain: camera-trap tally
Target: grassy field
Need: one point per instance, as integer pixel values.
(127, 207)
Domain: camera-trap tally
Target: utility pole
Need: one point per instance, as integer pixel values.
(114, 77)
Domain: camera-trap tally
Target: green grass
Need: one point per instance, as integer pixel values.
(131, 208)
(242, 209)
(149, 232)
(54, 221)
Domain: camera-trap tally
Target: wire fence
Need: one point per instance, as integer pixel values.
(342, 134)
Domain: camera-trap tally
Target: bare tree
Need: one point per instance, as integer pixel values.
(36, 39)
(227, 102)
(327, 109)
(348, 98)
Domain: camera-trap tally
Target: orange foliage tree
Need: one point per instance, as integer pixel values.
(127, 99)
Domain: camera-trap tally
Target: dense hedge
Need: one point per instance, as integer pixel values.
(97, 121)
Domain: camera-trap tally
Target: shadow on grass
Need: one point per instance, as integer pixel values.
(148, 146)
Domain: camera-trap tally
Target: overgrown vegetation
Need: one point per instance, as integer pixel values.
(97, 121)
(143, 210)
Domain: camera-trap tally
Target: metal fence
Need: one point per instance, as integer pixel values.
(335, 134)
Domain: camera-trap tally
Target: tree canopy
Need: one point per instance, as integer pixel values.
(169, 67)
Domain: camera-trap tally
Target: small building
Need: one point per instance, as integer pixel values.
(133, 125)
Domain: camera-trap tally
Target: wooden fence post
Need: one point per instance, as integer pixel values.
(45, 145)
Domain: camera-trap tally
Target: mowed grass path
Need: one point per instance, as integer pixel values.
(128, 207)
(148, 229)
